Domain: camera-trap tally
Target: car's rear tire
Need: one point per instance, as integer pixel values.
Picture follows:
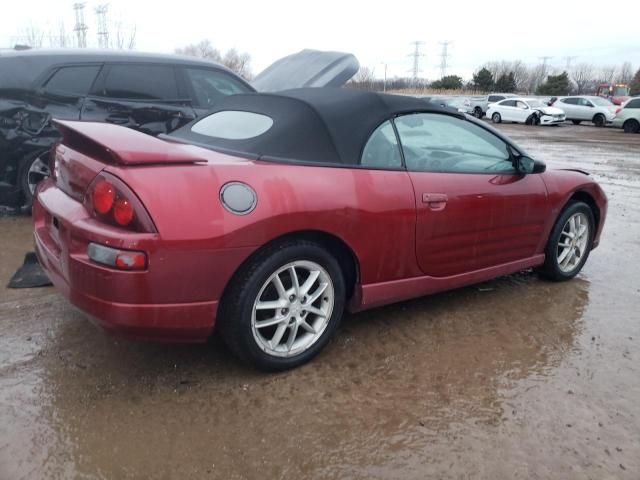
(274, 323)
(477, 112)
(570, 242)
(631, 126)
(32, 169)
(599, 120)
(496, 118)
(576, 122)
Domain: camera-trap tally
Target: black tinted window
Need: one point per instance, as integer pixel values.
(381, 150)
(508, 103)
(570, 101)
(495, 98)
(72, 80)
(210, 86)
(633, 103)
(141, 82)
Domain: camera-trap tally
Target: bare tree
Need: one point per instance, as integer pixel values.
(607, 73)
(238, 62)
(202, 49)
(583, 75)
(33, 36)
(521, 74)
(364, 78)
(124, 39)
(625, 73)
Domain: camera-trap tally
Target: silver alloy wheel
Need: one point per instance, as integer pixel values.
(292, 309)
(572, 244)
(38, 171)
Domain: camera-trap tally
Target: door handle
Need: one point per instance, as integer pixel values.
(435, 201)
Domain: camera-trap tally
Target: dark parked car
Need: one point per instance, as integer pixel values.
(148, 92)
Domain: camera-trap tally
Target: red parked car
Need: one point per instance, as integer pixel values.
(272, 215)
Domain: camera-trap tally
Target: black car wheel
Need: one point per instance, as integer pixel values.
(533, 119)
(576, 122)
(599, 120)
(631, 126)
(569, 243)
(32, 170)
(496, 118)
(477, 112)
(284, 306)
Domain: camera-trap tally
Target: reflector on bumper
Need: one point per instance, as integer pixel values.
(120, 259)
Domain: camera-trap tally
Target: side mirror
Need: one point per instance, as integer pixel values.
(524, 164)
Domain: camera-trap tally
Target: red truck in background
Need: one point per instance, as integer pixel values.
(618, 93)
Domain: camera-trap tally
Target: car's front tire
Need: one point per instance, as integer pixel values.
(631, 126)
(570, 242)
(284, 306)
(496, 118)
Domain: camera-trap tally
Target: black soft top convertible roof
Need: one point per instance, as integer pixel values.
(315, 125)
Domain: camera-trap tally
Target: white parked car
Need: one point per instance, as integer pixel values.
(525, 110)
(578, 109)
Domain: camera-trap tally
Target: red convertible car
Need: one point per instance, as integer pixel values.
(269, 217)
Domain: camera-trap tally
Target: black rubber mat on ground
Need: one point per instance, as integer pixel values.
(30, 274)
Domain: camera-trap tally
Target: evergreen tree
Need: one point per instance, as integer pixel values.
(555, 85)
(483, 80)
(506, 83)
(635, 84)
(450, 82)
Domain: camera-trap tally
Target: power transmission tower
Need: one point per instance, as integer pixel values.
(545, 60)
(444, 55)
(417, 54)
(80, 27)
(103, 31)
(568, 61)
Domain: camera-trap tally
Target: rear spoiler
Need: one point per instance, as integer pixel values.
(121, 145)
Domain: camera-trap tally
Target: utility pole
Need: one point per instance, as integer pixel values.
(417, 54)
(545, 60)
(444, 55)
(80, 27)
(384, 85)
(103, 30)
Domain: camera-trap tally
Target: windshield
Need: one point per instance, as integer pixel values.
(620, 91)
(601, 102)
(535, 103)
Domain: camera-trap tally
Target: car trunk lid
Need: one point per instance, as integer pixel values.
(86, 148)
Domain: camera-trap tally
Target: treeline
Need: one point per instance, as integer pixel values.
(514, 76)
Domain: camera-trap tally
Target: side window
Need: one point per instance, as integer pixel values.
(583, 102)
(495, 98)
(72, 80)
(633, 103)
(508, 103)
(442, 143)
(210, 86)
(571, 101)
(141, 82)
(521, 104)
(381, 150)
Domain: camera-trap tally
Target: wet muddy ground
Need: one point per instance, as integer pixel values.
(514, 378)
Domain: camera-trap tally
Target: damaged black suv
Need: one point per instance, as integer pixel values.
(152, 93)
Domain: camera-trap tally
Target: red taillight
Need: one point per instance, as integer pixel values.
(110, 200)
(120, 259)
(104, 194)
(123, 212)
(131, 261)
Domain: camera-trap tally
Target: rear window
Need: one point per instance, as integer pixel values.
(141, 82)
(72, 80)
(233, 125)
(508, 103)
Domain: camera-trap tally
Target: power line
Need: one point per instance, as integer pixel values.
(444, 55)
(103, 30)
(568, 61)
(417, 54)
(80, 27)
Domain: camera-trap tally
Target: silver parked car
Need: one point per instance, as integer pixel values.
(628, 117)
(594, 109)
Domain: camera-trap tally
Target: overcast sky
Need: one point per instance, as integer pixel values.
(479, 30)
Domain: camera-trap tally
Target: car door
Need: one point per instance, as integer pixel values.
(522, 111)
(65, 89)
(207, 86)
(507, 110)
(570, 107)
(142, 96)
(473, 209)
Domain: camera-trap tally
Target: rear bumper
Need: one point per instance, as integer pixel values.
(166, 302)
